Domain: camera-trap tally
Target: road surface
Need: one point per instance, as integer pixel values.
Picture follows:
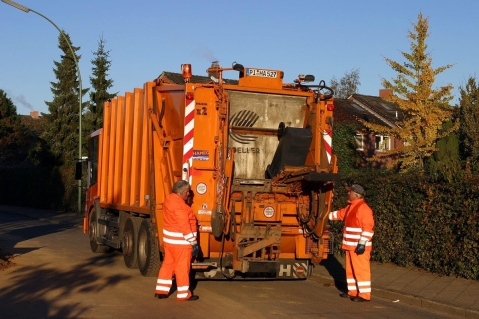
(57, 276)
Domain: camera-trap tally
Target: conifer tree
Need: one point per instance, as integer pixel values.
(14, 137)
(425, 108)
(469, 124)
(100, 85)
(63, 120)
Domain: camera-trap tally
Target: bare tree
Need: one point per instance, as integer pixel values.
(347, 85)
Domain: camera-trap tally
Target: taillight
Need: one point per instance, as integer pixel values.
(190, 96)
(330, 107)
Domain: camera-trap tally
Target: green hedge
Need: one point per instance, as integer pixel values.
(52, 188)
(420, 222)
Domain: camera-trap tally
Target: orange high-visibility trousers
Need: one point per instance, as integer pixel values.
(358, 274)
(177, 262)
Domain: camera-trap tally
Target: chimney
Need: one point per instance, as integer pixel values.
(385, 93)
(34, 114)
(214, 64)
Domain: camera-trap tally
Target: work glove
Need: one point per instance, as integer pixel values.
(196, 249)
(361, 247)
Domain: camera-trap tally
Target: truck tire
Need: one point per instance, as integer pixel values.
(130, 242)
(148, 253)
(92, 234)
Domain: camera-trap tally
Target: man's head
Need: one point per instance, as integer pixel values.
(182, 189)
(355, 191)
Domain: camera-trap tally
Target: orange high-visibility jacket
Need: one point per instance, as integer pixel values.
(179, 222)
(358, 223)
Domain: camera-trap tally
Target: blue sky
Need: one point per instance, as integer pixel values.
(323, 38)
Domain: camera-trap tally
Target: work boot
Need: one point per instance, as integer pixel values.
(344, 295)
(193, 298)
(359, 299)
(161, 296)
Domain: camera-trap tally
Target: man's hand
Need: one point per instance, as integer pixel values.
(196, 248)
(361, 247)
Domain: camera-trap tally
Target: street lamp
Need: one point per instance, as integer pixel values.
(25, 9)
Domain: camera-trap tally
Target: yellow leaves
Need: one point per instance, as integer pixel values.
(425, 108)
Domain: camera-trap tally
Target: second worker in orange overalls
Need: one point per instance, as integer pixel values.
(357, 243)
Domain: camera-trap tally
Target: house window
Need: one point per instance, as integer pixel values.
(359, 142)
(383, 143)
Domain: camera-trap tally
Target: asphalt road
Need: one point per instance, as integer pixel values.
(57, 276)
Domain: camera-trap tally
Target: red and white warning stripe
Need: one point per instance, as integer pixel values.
(328, 143)
(188, 138)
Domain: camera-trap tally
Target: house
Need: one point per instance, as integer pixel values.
(372, 109)
(34, 122)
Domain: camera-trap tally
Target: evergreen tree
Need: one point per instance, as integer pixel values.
(425, 109)
(445, 162)
(14, 137)
(100, 85)
(469, 124)
(62, 122)
(347, 85)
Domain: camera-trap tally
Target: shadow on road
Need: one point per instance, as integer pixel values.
(43, 287)
(336, 270)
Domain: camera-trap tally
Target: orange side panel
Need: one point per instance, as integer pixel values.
(111, 151)
(136, 148)
(127, 142)
(119, 138)
(99, 183)
(104, 158)
(146, 127)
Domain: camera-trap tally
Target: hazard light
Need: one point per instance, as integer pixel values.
(330, 107)
(186, 71)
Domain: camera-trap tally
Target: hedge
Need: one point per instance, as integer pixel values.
(420, 222)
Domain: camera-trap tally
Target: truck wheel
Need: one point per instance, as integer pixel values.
(129, 242)
(148, 253)
(92, 234)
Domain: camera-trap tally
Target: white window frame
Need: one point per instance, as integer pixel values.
(384, 143)
(359, 139)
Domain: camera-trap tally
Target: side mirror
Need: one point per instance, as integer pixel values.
(78, 170)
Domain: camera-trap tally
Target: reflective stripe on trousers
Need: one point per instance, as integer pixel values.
(177, 262)
(358, 274)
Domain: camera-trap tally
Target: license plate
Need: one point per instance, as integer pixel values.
(261, 73)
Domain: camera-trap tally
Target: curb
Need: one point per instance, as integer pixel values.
(407, 299)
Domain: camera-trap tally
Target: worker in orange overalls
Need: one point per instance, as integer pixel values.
(179, 239)
(357, 242)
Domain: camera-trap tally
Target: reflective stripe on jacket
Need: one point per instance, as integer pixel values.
(179, 221)
(358, 224)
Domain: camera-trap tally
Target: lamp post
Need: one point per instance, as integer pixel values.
(25, 9)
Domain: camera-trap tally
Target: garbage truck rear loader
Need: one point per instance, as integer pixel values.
(256, 152)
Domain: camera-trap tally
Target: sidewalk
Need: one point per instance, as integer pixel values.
(454, 296)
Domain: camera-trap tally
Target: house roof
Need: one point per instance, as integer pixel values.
(372, 109)
(177, 78)
(381, 108)
(347, 111)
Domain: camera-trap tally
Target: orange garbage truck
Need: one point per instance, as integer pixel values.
(256, 152)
